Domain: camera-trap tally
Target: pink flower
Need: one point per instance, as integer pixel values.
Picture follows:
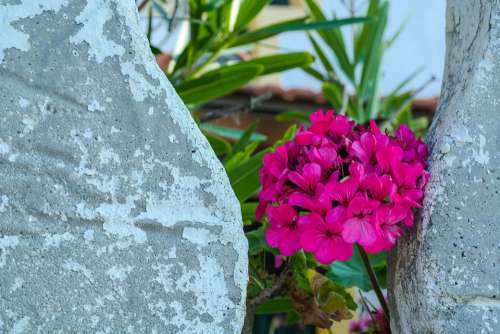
(307, 138)
(320, 121)
(364, 148)
(341, 126)
(283, 232)
(317, 202)
(360, 225)
(323, 156)
(308, 179)
(414, 149)
(388, 221)
(323, 237)
(344, 191)
(336, 184)
(379, 187)
(405, 177)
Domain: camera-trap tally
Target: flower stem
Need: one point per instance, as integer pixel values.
(374, 281)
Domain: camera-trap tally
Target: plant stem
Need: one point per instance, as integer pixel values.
(373, 280)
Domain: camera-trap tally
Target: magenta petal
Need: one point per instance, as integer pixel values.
(310, 220)
(273, 237)
(299, 180)
(290, 243)
(311, 239)
(305, 138)
(361, 231)
(335, 218)
(302, 200)
(312, 173)
(333, 249)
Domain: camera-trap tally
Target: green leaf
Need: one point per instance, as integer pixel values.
(219, 145)
(243, 141)
(256, 240)
(275, 29)
(289, 134)
(282, 62)
(293, 116)
(241, 157)
(363, 42)
(248, 211)
(393, 104)
(314, 73)
(249, 9)
(330, 295)
(155, 50)
(230, 133)
(334, 40)
(322, 57)
(257, 35)
(371, 70)
(333, 93)
(217, 83)
(276, 305)
(352, 273)
(299, 271)
(245, 177)
(214, 4)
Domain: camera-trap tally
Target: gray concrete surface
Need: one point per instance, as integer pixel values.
(115, 215)
(445, 276)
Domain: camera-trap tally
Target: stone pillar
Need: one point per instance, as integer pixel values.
(115, 214)
(445, 276)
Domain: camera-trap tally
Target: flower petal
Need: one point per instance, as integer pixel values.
(358, 230)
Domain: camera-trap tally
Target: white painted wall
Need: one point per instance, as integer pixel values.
(421, 44)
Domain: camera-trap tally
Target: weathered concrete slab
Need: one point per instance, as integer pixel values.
(115, 215)
(446, 275)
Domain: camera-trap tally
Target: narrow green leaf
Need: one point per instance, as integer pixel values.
(211, 5)
(370, 76)
(243, 141)
(230, 133)
(273, 30)
(217, 83)
(314, 73)
(282, 62)
(333, 93)
(241, 157)
(363, 41)
(289, 134)
(322, 57)
(245, 177)
(155, 50)
(392, 104)
(293, 116)
(249, 9)
(257, 35)
(256, 241)
(219, 145)
(334, 40)
(248, 211)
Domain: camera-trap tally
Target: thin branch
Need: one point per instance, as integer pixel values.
(142, 5)
(250, 105)
(269, 292)
(174, 13)
(363, 300)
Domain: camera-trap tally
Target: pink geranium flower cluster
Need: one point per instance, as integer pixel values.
(338, 183)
